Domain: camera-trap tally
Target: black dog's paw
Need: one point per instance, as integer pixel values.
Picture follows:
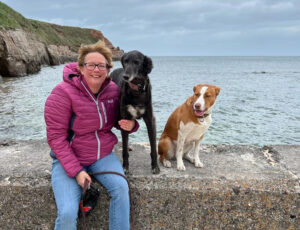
(155, 170)
(126, 169)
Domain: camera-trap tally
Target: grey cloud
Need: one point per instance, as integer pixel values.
(162, 26)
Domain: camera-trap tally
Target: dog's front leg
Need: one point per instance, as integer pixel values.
(179, 151)
(189, 152)
(151, 128)
(198, 163)
(125, 151)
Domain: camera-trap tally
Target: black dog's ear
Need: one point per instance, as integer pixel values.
(147, 65)
(122, 59)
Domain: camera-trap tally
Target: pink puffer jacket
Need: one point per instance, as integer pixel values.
(94, 118)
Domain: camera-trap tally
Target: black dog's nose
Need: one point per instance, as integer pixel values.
(126, 77)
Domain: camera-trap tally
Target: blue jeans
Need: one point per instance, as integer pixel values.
(68, 193)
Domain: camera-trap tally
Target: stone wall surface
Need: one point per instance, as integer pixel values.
(239, 187)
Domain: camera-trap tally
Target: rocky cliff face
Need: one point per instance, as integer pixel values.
(116, 51)
(22, 53)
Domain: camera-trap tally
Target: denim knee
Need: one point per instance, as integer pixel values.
(121, 190)
(67, 216)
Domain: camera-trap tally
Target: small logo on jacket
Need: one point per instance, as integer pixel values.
(110, 101)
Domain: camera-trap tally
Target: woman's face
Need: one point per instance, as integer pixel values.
(94, 70)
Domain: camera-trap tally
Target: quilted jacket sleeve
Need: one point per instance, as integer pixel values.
(136, 127)
(58, 112)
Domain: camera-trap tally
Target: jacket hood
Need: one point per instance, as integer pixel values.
(71, 72)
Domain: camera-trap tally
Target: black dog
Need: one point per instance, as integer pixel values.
(136, 100)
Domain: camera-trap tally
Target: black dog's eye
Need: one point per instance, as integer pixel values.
(135, 62)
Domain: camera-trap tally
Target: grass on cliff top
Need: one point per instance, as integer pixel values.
(10, 19)
(46, 32)
(62, 35)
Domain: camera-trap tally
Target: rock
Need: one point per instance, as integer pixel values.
(26, 44)
(60, 54)
(22, 53)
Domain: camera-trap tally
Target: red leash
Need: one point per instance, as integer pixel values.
(132, 213)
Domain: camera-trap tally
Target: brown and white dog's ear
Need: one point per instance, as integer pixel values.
(194, 89)
(217, 90)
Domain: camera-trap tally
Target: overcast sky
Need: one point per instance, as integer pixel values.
(180, 27)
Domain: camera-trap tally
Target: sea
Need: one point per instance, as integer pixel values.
(259, 102)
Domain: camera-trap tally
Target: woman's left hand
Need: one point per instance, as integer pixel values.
(126, 125)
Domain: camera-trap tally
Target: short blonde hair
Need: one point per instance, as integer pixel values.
(99, 47)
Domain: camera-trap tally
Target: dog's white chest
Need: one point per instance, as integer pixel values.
(135, 112)
(193, 132)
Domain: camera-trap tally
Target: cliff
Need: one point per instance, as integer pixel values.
(26, 45)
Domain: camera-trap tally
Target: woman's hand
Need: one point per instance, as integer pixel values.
(127, 125)
(81, 177)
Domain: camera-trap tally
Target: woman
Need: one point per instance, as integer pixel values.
(80, 113)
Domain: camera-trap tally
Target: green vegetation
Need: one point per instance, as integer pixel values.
(46, 32)
(10, 19)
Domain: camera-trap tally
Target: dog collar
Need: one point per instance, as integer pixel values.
(204, 115)
(201, 118)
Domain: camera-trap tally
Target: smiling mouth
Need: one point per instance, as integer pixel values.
(199, 113)
(95, 76)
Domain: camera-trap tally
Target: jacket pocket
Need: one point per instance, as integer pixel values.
(109, 108)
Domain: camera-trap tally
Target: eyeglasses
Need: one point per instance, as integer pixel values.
(92, 66)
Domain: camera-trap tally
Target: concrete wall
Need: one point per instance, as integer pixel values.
(240, 187)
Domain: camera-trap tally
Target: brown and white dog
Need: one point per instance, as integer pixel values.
(186, 126)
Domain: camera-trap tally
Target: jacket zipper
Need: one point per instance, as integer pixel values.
(98, 140)
(72, 139)
(100, 117)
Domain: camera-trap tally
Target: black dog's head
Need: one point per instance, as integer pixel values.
(136, 67)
